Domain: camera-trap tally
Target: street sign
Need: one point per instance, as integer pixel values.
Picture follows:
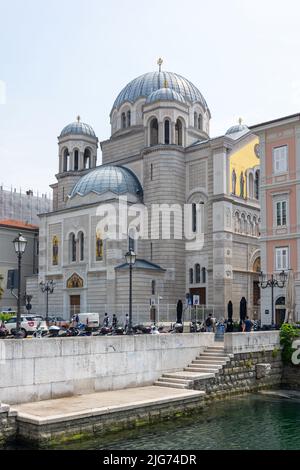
(196, 299)
(12, 279)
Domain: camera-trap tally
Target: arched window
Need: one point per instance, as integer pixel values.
(197, 273)
(54, 251)
(194, 217)
(76, 160)
(123, 120)
(191, 275)
(200, 122)
(178, 132)
(236, 222)
(128, 118)
(81, 246)
(153, 286)
(87, 159)
(66, 160)
(233, 181)
(167, 131)
(72, 247)
(256, 189)
(154, 132)
(195, 120)
(203, 275)
(99, 247)
(248, 229)
(243, 223)
(131, 240)
(251, 185)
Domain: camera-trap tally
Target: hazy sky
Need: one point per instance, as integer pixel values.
(61, 58)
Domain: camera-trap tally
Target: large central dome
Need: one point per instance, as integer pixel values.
(146, 84)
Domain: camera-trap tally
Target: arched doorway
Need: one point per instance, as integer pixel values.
(255, 288)
(280, 310)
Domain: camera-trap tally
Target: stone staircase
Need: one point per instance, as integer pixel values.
(205, 366)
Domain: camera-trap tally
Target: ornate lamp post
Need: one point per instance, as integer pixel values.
(130, 259)
(20, 245)
(47, 287)
(272, 282)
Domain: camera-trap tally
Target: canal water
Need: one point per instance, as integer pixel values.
(252, 422)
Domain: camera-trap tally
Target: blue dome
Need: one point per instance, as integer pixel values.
(144, 85)
(78, 128)
(237, 128)
(165, 94)
(117, 179)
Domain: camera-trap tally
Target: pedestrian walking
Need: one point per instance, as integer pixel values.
(106, 320)
(247, 325)
(209, 323)
(114, 321)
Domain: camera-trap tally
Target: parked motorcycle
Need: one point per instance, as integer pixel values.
(3, 331)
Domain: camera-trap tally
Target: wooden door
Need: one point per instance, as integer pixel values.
(74, 304)
(201, 291)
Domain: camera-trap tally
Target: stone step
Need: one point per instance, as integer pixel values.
(206, 364)
(176, 380)
(211, 349)
(196, 369)
(189, 375)
(203, 369)
(169, 384)
(216, 360)
(214, 354)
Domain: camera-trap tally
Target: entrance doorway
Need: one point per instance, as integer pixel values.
(280, 311)
(201, 291)
(74, 304)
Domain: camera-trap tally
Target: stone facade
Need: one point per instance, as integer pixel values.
(163, 140)
(241, 375)
(8, 424)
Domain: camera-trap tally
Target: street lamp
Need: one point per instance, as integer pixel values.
(273, 282)
(130, 260)
(20, 245)
(47, 287)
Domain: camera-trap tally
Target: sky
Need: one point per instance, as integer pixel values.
(62, 58)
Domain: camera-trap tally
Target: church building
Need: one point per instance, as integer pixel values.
(159, 154)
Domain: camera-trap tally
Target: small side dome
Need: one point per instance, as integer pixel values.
(78, 128)
(237, 128)
(117, 179)
(165, 94)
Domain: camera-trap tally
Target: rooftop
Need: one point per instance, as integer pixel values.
(18, 224)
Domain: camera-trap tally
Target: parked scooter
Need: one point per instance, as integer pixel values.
(3, 331)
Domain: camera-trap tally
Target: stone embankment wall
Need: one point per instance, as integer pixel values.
(8, 423)
(291, 377)
(41, 369)
(246, 372)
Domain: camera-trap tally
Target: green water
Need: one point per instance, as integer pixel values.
(252, 422)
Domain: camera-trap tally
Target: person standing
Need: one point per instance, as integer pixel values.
(126, 323)
(114, 321)
(247, 326)
(179, 310)
(209, 323)
(106, 320)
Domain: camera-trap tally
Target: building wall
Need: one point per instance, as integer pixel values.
(275, 187)
(40, 370)
(8, 261)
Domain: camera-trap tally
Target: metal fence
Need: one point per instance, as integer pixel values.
(145, 314)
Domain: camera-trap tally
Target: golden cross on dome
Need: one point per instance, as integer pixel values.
(240, 121)
(78, 118)
(159, 63)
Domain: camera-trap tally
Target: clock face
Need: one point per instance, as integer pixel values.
(256, 150)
